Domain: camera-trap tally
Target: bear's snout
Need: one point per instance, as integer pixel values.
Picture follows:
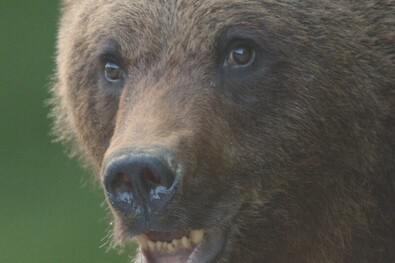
(140, 182)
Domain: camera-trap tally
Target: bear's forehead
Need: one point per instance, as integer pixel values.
(151, 25)
(178, 18)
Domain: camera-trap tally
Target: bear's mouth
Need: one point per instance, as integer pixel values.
(195, 246)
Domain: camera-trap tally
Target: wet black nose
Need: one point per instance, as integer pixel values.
(138, 182)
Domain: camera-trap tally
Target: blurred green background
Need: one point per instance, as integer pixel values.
(49, 212)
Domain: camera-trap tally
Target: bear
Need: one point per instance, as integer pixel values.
(235, 130)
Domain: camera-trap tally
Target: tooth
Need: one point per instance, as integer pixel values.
(197, 236)
(186, 242)
(158, 245)
(142, 239)
(170, 247)
(151, 245)
(176, 243)
(164, 245)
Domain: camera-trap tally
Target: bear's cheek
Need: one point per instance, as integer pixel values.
(93, 113)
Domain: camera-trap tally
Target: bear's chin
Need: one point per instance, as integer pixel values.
(196, 246)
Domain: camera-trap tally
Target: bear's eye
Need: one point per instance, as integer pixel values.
(240, 56)
(113, 72)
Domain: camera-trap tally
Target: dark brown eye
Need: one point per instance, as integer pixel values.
(240, 56)
(113, 72)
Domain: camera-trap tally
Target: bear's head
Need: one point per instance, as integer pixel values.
(233, 130)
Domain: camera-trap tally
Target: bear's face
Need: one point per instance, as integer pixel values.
(213, 124)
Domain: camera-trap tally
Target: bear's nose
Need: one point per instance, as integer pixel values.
(138, 181)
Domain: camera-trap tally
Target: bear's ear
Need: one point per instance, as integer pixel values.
(66, 4)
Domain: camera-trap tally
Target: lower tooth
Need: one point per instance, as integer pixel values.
(197, 236)
(164, 245)
(142, 239)
(158, 245)
(170, 247)
(151, 245)
(176, 243)
(186, 242)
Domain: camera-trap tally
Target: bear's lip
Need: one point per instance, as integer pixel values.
(195, 246)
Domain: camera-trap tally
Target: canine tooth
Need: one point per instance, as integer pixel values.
(186, 242)
(158, 245)
(197, 236)
(142, 239)
(151, 245)
(176, 243)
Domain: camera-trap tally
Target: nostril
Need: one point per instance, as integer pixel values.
(121, 183)
(135, 181)
(149, 176)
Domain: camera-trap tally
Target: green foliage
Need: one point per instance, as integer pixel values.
(46, 213)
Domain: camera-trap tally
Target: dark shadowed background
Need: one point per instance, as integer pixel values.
(49, 210)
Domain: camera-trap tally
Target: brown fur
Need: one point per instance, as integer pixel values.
(296, 160)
